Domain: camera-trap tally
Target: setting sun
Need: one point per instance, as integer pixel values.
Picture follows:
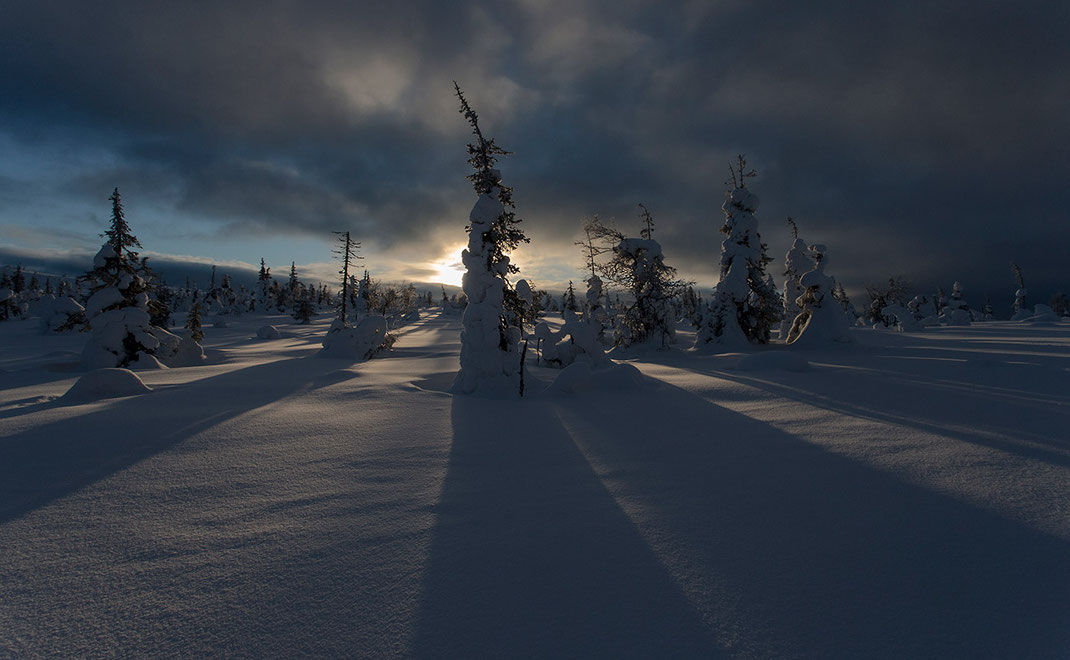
(449, 268)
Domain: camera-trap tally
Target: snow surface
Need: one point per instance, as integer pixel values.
(906, 496)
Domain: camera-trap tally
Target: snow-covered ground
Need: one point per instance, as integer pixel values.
(907, 495)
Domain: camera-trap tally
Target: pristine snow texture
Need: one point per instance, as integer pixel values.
(906, 497)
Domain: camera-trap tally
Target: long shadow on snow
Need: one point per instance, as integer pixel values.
(792, 551)
(960, 407)
(54, 460)
(531, 557)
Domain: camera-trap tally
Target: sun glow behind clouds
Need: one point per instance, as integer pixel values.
(448, 268)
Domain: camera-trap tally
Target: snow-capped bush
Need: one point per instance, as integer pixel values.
(576, 340)
(361, 342)
(901, 318)
(60, 314)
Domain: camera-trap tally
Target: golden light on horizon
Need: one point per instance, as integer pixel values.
(449, 268)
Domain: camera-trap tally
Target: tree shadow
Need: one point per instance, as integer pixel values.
(53, 460)
(909, 402)
(791, 551)
(531, 557)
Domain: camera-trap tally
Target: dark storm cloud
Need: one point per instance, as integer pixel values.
(919, 138)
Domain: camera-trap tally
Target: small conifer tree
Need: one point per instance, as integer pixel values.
(193, 323)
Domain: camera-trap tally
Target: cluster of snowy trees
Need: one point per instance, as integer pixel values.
(811, 308)
(127, 309)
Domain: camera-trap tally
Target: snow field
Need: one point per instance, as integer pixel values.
(905, 495)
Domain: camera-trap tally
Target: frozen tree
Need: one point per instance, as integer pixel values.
(822, 320)
(263, 287)
(839, 294)
(1060, 304)
(303, 305)
(638, 266)
(346, 252)
(796, 262)
(117, 309)
(987, 311)
(1021, 311)
(193, 323)
(490, 349)
(568, 302)
(18, 281)
(957, 311)
(595, 313)
(744, 305)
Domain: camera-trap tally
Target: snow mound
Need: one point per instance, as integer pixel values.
(580, 377)
(1042, 314)
(771, 361)
(188, 354)
(105, 384)
(267, 332)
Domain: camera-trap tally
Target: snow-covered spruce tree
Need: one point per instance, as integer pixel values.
(744, 307)
(988, 313)
(638, 266)
(957, 311)
(822, 320)
(490, 350)
(263, 287)
(568, 302)
(117, 309)
(1021, 311)
(293, 286)
(303, 306)
(193, 323)
(796, 262)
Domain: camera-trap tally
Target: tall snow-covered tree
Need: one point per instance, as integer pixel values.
(117, 308)
(490, 349)
(744, 304)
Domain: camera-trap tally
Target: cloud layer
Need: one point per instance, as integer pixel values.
(924, 139)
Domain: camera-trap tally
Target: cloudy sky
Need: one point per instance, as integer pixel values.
(926, 139)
